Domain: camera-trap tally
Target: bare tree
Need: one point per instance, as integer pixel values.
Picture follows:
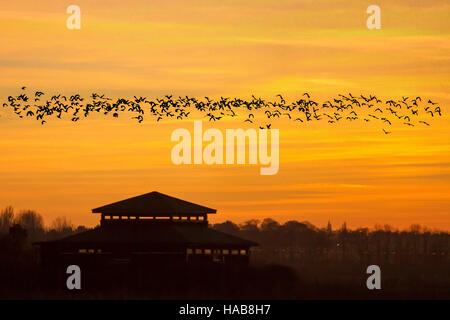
(32, 222)
(62, 225)
(269, 224)
(6, 219)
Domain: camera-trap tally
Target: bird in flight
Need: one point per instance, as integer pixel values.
(304, 109)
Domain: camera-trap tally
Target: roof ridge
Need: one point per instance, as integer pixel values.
(153, 204)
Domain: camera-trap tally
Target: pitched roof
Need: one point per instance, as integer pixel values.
(153, 204)
(156, 234)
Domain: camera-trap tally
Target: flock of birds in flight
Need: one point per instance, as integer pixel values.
(409, 111)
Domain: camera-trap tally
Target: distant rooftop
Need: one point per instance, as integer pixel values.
(153, 204)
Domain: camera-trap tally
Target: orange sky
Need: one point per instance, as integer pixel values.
(349, 172)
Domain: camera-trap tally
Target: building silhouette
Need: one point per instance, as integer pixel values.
(152, 230)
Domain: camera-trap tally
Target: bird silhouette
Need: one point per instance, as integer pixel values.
(340, 108)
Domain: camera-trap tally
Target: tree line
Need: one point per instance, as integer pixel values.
(29, 226)
(292, 236)
(302, 242)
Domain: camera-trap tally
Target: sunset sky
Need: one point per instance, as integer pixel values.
(345, 172)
